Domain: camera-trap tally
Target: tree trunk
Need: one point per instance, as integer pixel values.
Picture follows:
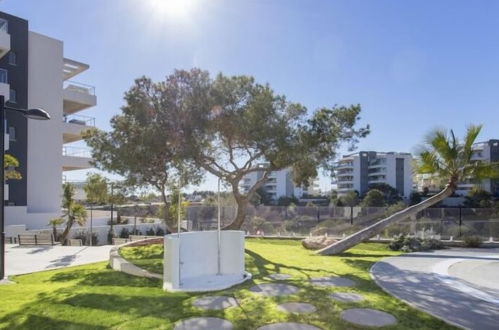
(65, 233)
(376, 228)
(242, 205)
(166, 217)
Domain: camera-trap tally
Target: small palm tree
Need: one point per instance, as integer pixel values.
(73, 212)
(445, 157)
(54, 222)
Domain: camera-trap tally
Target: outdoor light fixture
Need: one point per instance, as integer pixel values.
(37, 114)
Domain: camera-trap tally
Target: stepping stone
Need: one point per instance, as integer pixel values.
(274, 289)
(346, 297)
(332, 281)
(368, 317)
(297, 308)
(279, 276)
(215, 302)
(203, 323)
(288, 326)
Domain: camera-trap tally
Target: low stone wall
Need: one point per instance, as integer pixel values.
(120, 264)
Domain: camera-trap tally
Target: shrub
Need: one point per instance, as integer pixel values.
(150, 232)
(160, 231)
(110, 236)
(413, 244)
(472, 241)
(124, 233)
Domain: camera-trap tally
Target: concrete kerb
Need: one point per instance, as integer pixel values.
(122, 265)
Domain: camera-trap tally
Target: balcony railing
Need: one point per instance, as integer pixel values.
(4, 76)
(79, 87)
(76, 152)
(79, 120)
(4, 25)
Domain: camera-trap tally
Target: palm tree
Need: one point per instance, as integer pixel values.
(54, 222)
(445, 157)
(73, 212)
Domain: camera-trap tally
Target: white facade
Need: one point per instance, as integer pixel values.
(358, 171)
(49, 149)
(279, 184)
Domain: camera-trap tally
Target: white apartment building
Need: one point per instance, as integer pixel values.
(358, 171)
(35, 74)
(279, 184)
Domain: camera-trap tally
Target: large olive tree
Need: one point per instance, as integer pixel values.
(233, 126)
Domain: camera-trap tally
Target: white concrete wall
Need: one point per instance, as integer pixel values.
(356, 173)
(44, 176)
(196, 255)
(407, 176)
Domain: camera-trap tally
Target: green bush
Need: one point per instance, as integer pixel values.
(124, 233)
(83, 235)
(413, 244)
(472, 241)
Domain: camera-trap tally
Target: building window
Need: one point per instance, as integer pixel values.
(4, 76)
(12, 133)
(13, 96)
(12, 58)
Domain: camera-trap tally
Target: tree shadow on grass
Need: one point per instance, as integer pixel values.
(105, 278)
(42, 322)
(262, 265)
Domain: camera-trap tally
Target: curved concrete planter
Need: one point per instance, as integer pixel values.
(122, 265)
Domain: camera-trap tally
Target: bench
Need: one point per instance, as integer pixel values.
(75, 242)
(36, 239)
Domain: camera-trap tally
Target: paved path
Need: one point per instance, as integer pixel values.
(22, 260)
(454, 285)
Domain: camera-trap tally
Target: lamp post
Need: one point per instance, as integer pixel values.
(37, 114)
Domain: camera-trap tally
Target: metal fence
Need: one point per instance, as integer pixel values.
(339, 221)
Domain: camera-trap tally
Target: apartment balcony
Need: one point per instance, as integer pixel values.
(4, 38)
(74, 125)
(75, 158)
(71, 68)
(4, 84)
(343, 165)
(77, 97)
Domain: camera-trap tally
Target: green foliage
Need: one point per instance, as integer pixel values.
(73, 212)
(10, 164)
(478, 197)
(412, 244)
(150, 232)
(390, 194)
(96, 189)
(392, 209)
(84, 234)
(287, 201)
(373, 198)
(472, 241)
(450, 159)
(124, 233)
(415, 198)
(255, 224)
(351, 198)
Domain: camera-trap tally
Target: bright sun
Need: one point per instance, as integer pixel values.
(173, 8)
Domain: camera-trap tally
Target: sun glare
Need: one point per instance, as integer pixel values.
(173, 8)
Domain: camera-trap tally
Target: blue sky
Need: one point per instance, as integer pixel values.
(412, 65)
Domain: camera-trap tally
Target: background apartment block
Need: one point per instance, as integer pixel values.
(34, 73)
(279, 184)
(357, 171)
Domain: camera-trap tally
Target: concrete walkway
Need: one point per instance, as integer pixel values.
(456, 285)
(22, 260)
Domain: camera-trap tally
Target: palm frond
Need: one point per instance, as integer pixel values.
(469, 139)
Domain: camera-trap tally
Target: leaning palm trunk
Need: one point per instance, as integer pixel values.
(376, 228)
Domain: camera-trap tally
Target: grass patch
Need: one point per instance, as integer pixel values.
(149, 257)
(96, 297)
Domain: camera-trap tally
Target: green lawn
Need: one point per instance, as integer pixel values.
(96, 297)
(147, 257)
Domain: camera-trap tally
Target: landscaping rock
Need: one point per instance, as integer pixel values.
(288, 326)
(346, 297)
(317, 242)
(297, 307)
(368, 317)
(203, 323)
(274, 289)
(332, 281)
(215, 302)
